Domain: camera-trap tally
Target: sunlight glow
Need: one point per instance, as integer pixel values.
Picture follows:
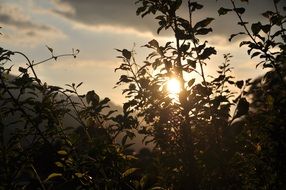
(173, 86)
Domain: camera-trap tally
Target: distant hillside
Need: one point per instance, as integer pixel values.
(68, 121)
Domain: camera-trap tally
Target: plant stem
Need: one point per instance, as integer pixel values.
(23, 111)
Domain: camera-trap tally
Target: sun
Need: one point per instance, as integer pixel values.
(173, 86)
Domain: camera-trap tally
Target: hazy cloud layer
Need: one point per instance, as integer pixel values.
(13, 15)
(108, 12)
(122, 13)
(20, 28)
(117, 16)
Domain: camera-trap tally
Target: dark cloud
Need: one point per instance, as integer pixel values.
(122, 13)
(107, 12)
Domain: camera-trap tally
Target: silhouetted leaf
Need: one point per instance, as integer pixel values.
(240, 10)
(255, 28)
(92, 97)
(203, 31)
(233, 35)
(223, 11)
(192, 63)
(194, 5)
(255, 54)
(184, 47)
(191, 82)
(59, 164)
(22, 70)
(268, 14)
(157, 188)
(62, 152)
(180, 34)
(124, 139)
(244, 43)
(126, 53)
(54, 88)
(79, 175)
(203, 23)
(50, 49)
(276, 20)
(140, 10)
(239, 84)
(207, 53)
(154, 43)
(219, 78)
(266, 28)
(79, 84)
(242, 108)
(124, 78)
(143, 181)
(132, 86)
(104, 101)
(129, 172)
(53, 175)
(177, 4)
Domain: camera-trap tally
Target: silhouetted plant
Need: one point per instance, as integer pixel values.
(39, 150)
(197, 140)
(215, 133)
(263, 131)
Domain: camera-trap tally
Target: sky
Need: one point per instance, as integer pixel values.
(97, 27)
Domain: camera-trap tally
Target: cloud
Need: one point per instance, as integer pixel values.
(112, 29)
(13, 15)
(121, 14)
(98, 14)
(63, 8)
(19, 28)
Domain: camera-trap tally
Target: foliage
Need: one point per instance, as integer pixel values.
(200, 142)
(218, 132)
(40, 150)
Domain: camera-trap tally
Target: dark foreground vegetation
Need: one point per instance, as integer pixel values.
(218, 133)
